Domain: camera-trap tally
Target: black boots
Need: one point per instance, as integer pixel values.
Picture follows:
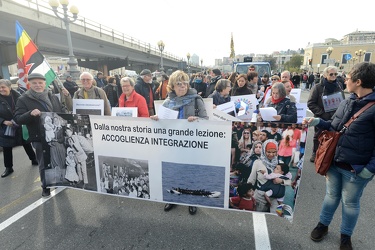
(7, 172)
(346, 242)
(319, 232)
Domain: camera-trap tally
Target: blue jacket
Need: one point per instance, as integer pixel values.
(357, 145)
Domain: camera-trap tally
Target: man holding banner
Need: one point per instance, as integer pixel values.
(29, 107)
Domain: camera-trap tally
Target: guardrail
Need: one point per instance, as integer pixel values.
(44, 7)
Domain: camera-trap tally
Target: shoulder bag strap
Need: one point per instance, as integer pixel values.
(355, 116)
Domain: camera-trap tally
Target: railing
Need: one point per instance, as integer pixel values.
(87, 24)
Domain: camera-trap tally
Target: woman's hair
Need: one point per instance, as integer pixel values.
(222, 84)
(365, 71)
(241, 76)
(111, 79)
(251, 75)
(6, 83)
(233, 77)
(281, 88)
(127, 79)
(253, 147)
(175, 77)
(276, 77)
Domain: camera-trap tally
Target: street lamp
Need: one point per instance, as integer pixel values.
(161, 46)
(360, 53)
(72, 62)
(202, 64)
(188, 66)
(329, 52)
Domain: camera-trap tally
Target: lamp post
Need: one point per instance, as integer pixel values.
(188, 66)
(161, 46)
(202, 65)
(72, 62)
(329, 52)
(360, 53)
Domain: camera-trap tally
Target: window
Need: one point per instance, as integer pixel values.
(324, 57)
(345, 58)
(367, 57)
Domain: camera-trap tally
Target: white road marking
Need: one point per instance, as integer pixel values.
(28, 209)
(261, 237)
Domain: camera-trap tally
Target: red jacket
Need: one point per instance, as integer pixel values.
(135, 100)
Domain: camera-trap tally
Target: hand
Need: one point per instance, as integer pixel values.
(277, 181)
(8, 123)
(277, 117)
(192, 118)
(365, 174)
(154, 117)
(311, 121)
(65, 91)
(35, 112)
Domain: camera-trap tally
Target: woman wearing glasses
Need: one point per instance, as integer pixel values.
(189, 105)
(324, 99)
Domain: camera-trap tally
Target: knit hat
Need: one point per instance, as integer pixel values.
(36, 76)
(270, 145)
(145, 72)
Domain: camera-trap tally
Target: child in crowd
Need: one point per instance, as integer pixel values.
(235, 176)
(244, 200)
(275, 190)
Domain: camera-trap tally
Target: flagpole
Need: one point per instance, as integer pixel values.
(72, 62)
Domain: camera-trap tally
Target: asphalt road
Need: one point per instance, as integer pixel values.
(75, 219)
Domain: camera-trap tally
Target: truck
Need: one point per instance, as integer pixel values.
(260, 67)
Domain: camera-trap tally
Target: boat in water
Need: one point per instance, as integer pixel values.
(200, 192)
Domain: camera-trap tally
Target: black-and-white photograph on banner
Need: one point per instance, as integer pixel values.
(267, 163)
(124, 176)
(124, 111)
(68, 150)
(193, 184)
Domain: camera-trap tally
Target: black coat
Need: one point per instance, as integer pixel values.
(7, 114)
(315, 102)
(143, 89)
(27, 103)
(286, 109)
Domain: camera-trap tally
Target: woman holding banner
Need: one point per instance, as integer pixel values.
(189, 105)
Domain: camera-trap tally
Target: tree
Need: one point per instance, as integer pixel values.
(296, 61)
(272, 61)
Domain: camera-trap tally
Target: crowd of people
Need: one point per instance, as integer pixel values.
(262, 154)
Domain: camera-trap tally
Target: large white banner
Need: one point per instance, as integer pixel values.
(201, 163)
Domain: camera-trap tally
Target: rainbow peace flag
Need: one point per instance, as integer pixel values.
(29, 58)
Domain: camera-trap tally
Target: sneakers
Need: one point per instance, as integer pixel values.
(319, 232)
(346, 242)
(168, 207)
(312, 159)
(46, 192)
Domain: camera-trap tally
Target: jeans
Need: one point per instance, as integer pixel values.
(347, 187)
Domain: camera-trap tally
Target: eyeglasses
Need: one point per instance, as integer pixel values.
(85, 80)
(246, 132)
(180, 84)
(273, 79)
(331, 74)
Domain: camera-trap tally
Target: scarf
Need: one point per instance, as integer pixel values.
(176, 102)
(43, 98)
(274, 101)
(269, 164)
(329, 86)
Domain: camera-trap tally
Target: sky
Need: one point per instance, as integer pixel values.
(204, 27)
